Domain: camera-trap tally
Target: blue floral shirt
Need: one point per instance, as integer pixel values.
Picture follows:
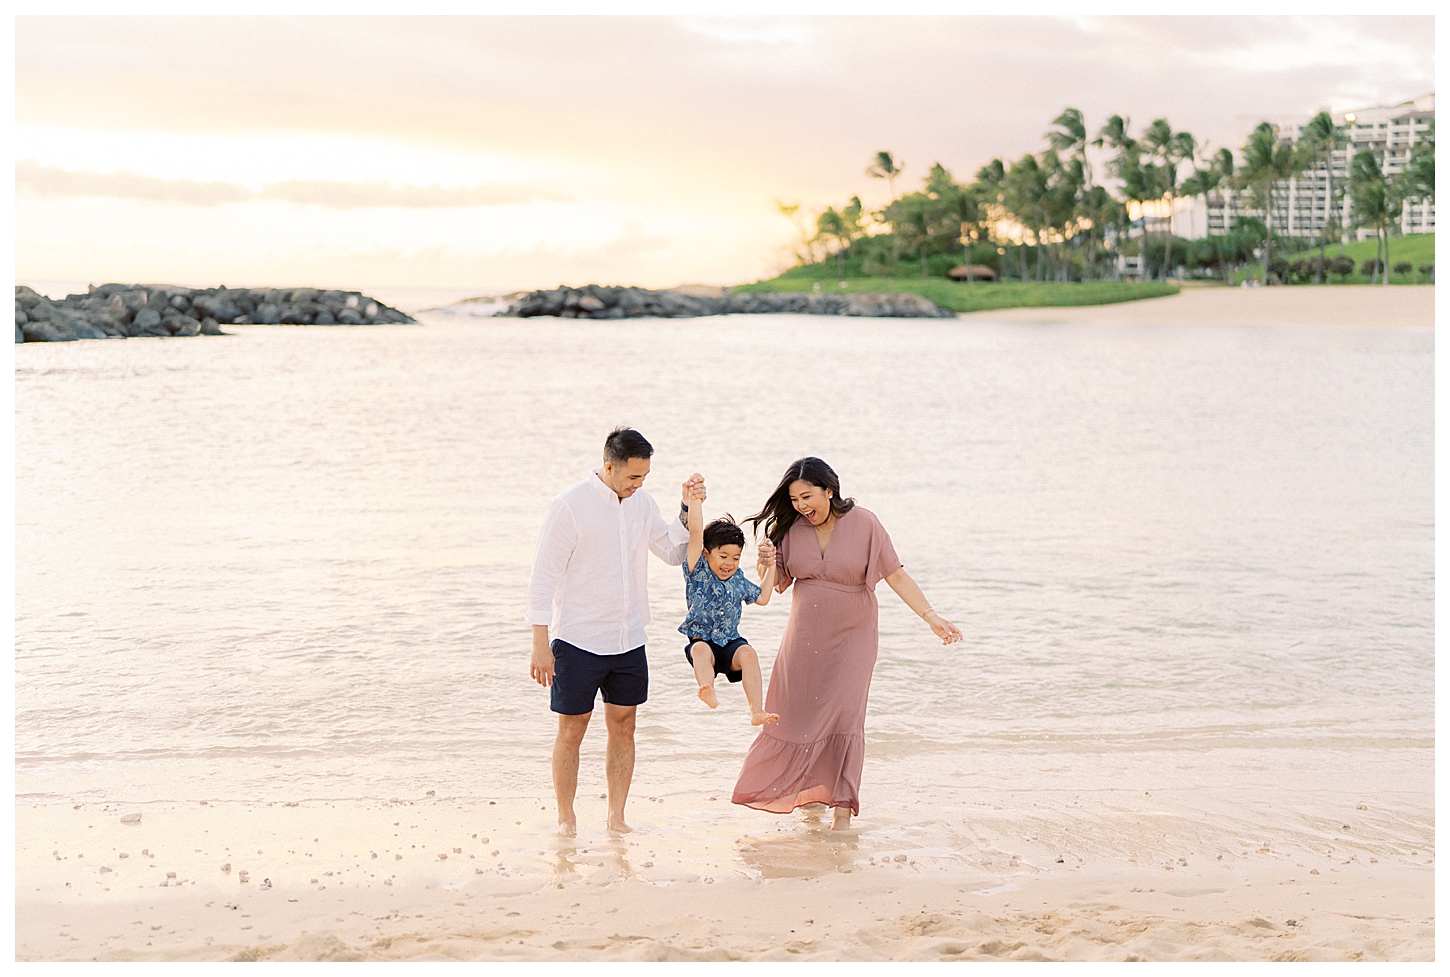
(714, 604)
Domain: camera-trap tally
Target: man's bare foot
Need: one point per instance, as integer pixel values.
(842, 820)
(761, 718)
(568, 828)
(707, 696)
(617, 825)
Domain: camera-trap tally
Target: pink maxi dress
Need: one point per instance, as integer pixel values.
(822, 673)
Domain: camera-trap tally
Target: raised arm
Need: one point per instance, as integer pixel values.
(695, 523)
(908, 590)
(767, 581)
(668, 537)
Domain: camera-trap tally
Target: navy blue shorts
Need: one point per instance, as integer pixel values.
(724, 654)
(623, 680)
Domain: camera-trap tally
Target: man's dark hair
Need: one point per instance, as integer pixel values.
(723, 532)
(625, 443)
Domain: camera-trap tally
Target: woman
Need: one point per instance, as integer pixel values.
(835, 552)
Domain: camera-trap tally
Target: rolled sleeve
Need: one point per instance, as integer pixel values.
(551, 557)
(668, 539)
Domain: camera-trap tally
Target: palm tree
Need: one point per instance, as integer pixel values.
(1127, 165)
(992, 188)
(1026, 187)
(1170, 148)
(939, 182)
(1421, 167)
(1071, 137)
(1375, 205)
(1267, 160)
(1320, 141)
(1061, 203)
(885, 167)
(965, 206)
(831, 226)
(853, 221)
(1208, 177)
(918, 221)
(1417, 180)
(1106, 211)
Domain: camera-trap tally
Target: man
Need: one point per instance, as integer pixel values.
(589, 587)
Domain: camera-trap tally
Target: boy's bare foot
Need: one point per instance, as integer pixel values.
(568, 828)
(617, 825)
(761, 718)
(707, 696)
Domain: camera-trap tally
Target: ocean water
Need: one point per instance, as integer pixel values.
(291, 563)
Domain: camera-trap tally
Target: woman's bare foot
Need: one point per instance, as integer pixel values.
(761, 718)
(842, 820)
(568, 828)
(707, 696)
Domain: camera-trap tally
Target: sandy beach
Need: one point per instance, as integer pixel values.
(1339, 305)
(1028, 878)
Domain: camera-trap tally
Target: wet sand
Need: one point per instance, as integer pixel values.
(1394, 306)
(1021, 876)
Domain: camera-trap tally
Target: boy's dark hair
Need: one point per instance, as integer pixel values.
(625, 443)
(723, 532)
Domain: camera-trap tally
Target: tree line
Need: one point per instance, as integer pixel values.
(1049, 215)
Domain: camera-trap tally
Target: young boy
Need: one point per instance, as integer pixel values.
(715, 589)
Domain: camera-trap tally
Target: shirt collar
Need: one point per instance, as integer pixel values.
(605, 491)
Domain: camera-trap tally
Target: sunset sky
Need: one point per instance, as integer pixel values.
(497, 153)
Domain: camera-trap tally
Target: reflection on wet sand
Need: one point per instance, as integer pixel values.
(599, 861)
(812, 849)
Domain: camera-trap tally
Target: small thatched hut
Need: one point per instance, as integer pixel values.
(980, 273)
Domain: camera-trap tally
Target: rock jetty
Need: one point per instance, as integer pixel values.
(615, 302)
(170, 310)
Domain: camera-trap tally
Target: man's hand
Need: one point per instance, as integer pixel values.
(541, 662)
(693, 488)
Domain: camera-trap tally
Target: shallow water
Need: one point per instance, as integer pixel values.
(291, 563)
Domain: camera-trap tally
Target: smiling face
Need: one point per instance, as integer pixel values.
(811, 501)
(723, 560)
(625, 478)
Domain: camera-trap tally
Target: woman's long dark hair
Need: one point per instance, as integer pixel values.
(778, 515)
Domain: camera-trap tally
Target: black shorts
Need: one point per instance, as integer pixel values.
(623, 680)
(724, 654)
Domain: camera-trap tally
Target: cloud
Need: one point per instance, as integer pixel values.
(331, 193)
(52, 181)
(706, 119)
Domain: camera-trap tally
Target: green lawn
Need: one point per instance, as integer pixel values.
(1418, 249)
(978, 296)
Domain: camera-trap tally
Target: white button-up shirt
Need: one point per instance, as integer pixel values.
(590, 576)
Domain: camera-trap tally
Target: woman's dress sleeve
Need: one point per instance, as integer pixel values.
(882, 561)
(783, 579)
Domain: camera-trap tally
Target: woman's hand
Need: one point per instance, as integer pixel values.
(942, 628)
(764, 555)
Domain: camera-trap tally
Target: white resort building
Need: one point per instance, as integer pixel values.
(1301, 204)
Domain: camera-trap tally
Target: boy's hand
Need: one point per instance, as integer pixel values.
(693, 488)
